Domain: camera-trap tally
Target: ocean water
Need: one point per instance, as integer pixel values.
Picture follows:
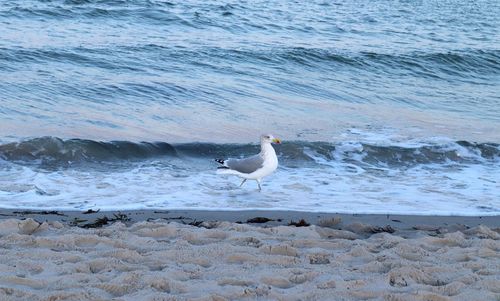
(383, 106)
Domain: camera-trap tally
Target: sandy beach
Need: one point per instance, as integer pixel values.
(144, 255)
(249, 150)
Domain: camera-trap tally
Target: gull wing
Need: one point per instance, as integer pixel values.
(246, 165)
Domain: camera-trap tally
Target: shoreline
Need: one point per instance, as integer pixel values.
(255, 217)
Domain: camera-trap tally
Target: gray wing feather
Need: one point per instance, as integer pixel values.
(247, 165)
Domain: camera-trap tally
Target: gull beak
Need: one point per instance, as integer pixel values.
(276, 140)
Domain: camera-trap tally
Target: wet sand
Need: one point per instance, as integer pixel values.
(247, 255)
(270, 218)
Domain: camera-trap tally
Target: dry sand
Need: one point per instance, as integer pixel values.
(163, 260)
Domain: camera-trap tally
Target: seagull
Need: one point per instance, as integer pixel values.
(255, 167)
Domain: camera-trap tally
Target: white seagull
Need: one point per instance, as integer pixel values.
(255, 167)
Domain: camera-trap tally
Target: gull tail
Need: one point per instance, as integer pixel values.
(224, 169)
(221, 161)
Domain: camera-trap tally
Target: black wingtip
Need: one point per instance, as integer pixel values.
(221, 161)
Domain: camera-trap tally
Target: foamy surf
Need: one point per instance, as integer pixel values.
(437, 176)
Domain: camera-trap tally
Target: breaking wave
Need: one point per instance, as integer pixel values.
(58, 151)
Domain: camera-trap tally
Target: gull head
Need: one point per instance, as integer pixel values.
(268, 138)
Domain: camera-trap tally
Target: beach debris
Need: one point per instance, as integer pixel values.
(120, 217)
(45, 212)
(330, 222)
(378, 229)
(364, 228)
(180, 217)
(101, 221)
(259, 220)
(301, 223)
(203, 224)
(76, 221)
(194, 223)
(97, 224)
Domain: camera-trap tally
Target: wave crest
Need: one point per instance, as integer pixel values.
(294, 153)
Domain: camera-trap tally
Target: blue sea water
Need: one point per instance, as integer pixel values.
(383, 106)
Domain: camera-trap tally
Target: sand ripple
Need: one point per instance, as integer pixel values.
(172, 261)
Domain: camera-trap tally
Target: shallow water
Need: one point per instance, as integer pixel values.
(383, 106)
(438, 177)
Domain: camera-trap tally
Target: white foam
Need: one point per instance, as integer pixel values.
(332, 186)
(338, 182)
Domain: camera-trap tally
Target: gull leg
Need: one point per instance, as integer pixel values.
(243, 182)
(258, 183)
